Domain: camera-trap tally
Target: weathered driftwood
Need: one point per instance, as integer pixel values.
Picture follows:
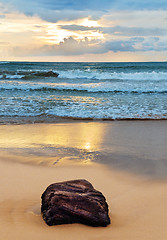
(74, 202)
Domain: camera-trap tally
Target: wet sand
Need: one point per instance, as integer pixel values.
(124, 160)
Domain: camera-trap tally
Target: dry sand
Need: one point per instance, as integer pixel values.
(137, 200)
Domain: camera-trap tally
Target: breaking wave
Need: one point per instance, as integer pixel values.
(84, 74)
(27, 74)
(91, 87)
(97, 75)
(104, 91)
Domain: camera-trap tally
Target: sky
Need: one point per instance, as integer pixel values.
(74, 30)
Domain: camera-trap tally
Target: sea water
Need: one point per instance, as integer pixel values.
(108, 91)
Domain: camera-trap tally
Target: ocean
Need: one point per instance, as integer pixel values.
(100, 91)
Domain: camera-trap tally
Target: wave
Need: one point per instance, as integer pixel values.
(89, 74)
(50, 118)
(9, 76)
(4, 62)
(83, 89)
(27, 74)
(97, 75)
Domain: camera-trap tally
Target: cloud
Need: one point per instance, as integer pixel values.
(136, 18)
(71, 47)
(66, 14)
(90, 5)
(68, 47)
(4, 43)
(119, 30)
(137, 44)
(75, 27)
(68, 29)
(134, 31)
(120, 46)
(54, 10)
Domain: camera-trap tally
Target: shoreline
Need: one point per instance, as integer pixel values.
(133, 146)
(125, 160)
(15, 120)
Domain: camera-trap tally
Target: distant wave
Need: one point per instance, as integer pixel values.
(84, 74)
(97, 75)
(4, 62)
(11, 76)
(87, 91)
(27, 74)
(83, 89)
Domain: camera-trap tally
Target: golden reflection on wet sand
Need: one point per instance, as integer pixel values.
(51, 143)
(135, 146)
(78, 135)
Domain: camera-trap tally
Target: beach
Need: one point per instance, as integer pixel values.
(125, 160)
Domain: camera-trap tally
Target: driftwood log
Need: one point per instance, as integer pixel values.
(74, 202)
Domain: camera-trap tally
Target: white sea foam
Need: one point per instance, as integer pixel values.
(78, 74)
(99, 91)
(10, 76)
(95, 87)
(92, 75)
(83, 108)
(4, 62)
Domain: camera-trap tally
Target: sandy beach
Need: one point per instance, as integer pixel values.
(125, 160)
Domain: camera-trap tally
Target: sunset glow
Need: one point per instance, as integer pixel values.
(103, 35)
